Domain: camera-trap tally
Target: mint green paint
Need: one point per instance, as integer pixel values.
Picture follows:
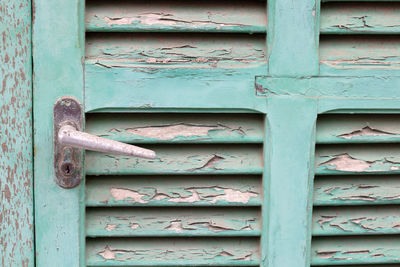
(288, 180)
(16, 174)
(58, 71)
(293, 36)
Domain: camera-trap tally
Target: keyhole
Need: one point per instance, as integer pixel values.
(67, 168)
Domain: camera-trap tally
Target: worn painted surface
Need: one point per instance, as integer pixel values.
(185, 160)
(357, 159)
(359, 55)
(177, 128)
(16, 175)
(335, 129)
(172, 252)
(58, 42)
(356, 220)
(176, 15)
(357, 190)
(173, 222)
(354, 18)
(174, 191)
(355, 250)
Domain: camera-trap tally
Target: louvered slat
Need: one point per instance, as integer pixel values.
(176, 16)
(173, 222)
(204, 190)
(355, 217)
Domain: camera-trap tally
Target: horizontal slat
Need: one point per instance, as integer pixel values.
(356, 190)
(354, 18)
(176, 16)
(172, 252)
(336, 129)
(377, 1)
(355, 250)
(356, 220)
(188, 159)
(173, 191)
(167, 50)
(360, 55)
(177, 128)
(347, 159)
(173, 222)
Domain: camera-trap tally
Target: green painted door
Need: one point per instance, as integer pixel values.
(243, 115)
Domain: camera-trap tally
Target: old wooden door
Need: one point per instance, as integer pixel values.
(242, 118)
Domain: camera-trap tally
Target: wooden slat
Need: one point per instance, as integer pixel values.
(355, 250)
(176, 16)
(355, 18)
(356, 220)
(174, 191)
(356, 190)
(172, 252)
(336, 129)
(188, 159)
(348, 159)
(177, 128)
(191, 50)
(173, 222)
(360, 55)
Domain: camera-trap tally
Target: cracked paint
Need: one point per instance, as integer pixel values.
(345, 162)
(366, 131)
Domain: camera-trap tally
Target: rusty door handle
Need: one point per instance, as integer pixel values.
(70, 136)
(69, 140)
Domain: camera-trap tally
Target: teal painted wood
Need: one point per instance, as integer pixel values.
(152, 222)
(16, 173)
(180, 252)
(218, 159)
(176, 16)
(356, 18)
(170, 191)
(360, 129)
(355, 250)
(58, 53)
(209, 89)
(293, 37)
(289, 181)
(356, 190)
(177, 128)
(356, 221)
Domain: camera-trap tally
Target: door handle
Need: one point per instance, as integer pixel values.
(70, 141)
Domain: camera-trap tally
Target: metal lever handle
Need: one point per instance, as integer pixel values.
(70, 136)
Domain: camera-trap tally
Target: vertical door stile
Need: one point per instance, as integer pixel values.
(58, 52)
(293, 41)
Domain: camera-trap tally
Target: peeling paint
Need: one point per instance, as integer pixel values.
(344, 162)
(366, 131)
(122, 194)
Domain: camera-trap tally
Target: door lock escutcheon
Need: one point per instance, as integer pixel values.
(70, 141)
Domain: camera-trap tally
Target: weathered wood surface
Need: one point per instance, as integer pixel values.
(378, 220)
(173, 222)
(360, 55)
(176, 16)
(356, 159)
(336, 129)
(115, 50)
(177, 128)
(173, 191)
(355, 18)
(16, 174)
(173, 252)
(212, 71)
(355, 250)
(356, 190)
(188, 159)
(58, 52)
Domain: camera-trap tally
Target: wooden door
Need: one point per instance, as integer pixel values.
(233, 107)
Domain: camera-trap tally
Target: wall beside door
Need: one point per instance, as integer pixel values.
(16, 192)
